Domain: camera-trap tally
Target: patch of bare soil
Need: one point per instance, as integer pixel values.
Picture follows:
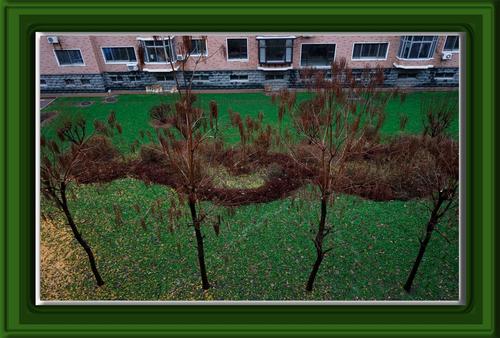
(60, 260)
(85, 103)
(110, 99)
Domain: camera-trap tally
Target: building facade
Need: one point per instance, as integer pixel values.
(98, 63)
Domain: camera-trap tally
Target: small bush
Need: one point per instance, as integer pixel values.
(150, 153)
(160, 113)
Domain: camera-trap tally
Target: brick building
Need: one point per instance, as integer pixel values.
(97, 63)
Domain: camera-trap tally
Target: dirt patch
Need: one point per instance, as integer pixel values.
(110, 99)
(85, 103)
(60, 260)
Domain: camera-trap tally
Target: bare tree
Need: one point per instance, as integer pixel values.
(186, 59)
(343, 117)
(183, 143)
(62, 162)
(184, 131)
(438, 112)
(438, 171)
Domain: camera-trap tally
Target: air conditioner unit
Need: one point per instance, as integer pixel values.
(132, 66)
(446, 56)
(52, 39)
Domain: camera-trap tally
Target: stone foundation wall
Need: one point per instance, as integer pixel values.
(237, 79)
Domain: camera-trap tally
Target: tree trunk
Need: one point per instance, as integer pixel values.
(78, 236)
(318, 242)
(199, 244)
(312, 276)
(421, 252)
(423, 244)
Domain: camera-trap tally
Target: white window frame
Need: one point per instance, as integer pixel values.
(313, 43)
(206, 47)
(71, 65)
(370, 59)
(239, 80)
(275, 62)
(119, 62)
(416, 59)
(452, 51)
(163, 38)
(227, 49)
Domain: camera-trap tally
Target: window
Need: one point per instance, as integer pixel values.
(85, 81)
(69, 57)
(43, 82)
(164, 77)
(417, 47)
(134, 78)
(275, 50)
(238, 77)
(317, 55)
(443, 75)
(451, 44)
(198, 47)
(118, 54)
(116, 78)
(275, 76)
(369, 51)
(201, 77)
(408, 73)
(237, 49)
(69, 81)
(157, 51)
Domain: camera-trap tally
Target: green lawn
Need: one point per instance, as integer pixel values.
(132, 112)
(264, 251)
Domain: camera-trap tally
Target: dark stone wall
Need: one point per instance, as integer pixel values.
(237, 79)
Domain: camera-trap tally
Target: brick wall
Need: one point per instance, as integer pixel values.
(218, 72)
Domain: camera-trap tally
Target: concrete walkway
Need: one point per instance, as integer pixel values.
(45, 102)
(217, 91)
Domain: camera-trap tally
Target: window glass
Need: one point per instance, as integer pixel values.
(237, 49)
(315, 55)
(157, 51)
(198, 47)
(452, 43)
(69, 57)
(275, 50)
(119, 54)
(417, 47)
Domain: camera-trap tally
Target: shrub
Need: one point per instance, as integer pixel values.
(160, 113)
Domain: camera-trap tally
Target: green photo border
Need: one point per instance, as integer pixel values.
(21, 19)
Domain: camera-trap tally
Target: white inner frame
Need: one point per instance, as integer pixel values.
(119, 62)
(239, 80)
(227, 49)
(419, 59)
(206, 47)
(317, 304)
(370, 59)
(317, 43)
(453, 51)
(170, 39)
(73, 64)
